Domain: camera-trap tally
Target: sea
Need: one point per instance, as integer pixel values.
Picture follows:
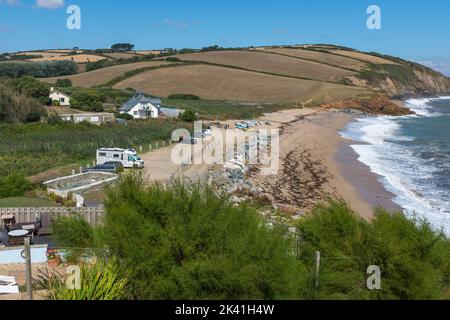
(411, 154)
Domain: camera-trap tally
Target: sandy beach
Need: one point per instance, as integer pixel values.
(317, 163)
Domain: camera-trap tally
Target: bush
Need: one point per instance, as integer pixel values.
(63, 83)
(74, 233)
(98, 281)
(14, 185)
(31, 87)
(188, 116)
(88, 100)
(414, 259)
(183, 97)
(185, 242)
(124, 116)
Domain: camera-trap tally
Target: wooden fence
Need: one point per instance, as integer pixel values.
(47, 215)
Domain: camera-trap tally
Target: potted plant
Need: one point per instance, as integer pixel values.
(53, 259)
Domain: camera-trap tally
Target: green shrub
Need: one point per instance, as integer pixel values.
(98, 281)
(183, 96)
(184, 242)
(14, 185)
(63, 83)
(124, 116)
(88, 100)
(414, 259)
(75, 234)
(188, 116)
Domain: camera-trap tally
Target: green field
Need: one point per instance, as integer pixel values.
(225, 110)
(19, 202)
(35, 148)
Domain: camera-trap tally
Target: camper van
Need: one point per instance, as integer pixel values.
(127, 157)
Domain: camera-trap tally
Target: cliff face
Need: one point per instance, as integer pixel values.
(403, 80)
(377, 105)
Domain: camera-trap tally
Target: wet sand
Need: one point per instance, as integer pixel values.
(317, 163)
(367, 183)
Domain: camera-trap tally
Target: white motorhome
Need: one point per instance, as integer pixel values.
(128, 157)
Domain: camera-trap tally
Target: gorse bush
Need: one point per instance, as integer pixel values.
(186, 242)
(414, 258)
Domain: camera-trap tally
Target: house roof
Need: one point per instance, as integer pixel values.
(61, 93)
(140, 97)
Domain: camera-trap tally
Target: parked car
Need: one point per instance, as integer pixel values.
(112, 167)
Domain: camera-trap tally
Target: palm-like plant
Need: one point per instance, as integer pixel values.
(98, 281)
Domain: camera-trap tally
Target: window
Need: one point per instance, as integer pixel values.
(116, 156)
(102, 154)
(62, 100)
(135, 113)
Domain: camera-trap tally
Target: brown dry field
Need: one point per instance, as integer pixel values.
(363, 56)
(79, 58)
(144, 52)
(44, 54)
(321, 57)
(221, 83)
(121, 55)
(271, 63)
(102, 76)
(64, 51)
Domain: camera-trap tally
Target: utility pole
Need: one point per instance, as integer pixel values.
(28, 268)
(317, 269)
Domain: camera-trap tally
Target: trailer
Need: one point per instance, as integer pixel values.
(127, 157)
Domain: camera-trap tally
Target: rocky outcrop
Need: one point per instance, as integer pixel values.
(379, 105)
(403, 80)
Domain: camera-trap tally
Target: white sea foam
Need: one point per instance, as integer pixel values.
(403, 174)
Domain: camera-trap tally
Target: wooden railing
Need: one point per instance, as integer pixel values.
(47, 215)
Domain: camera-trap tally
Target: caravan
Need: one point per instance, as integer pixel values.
(127, 157)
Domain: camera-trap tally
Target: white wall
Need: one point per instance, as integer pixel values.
(58, 96)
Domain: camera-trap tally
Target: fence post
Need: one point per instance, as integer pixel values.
(317, 269)
(28, 274)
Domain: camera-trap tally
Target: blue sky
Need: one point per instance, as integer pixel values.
(412, 29)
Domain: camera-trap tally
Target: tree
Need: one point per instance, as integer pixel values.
(63, 83)
(122, 47)
(32, 88)
(17, 106)
(88, 100)
(188, 116)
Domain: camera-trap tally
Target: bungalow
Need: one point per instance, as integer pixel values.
(62, 98)
(94, 118)
(141, 106)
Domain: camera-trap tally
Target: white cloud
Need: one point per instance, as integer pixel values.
(49, 4)
(176, 24)
(180, 24)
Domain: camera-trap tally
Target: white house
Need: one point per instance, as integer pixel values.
(141, 106)
(62, 98)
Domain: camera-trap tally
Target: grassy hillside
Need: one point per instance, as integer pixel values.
(282, 74)
(221, 83)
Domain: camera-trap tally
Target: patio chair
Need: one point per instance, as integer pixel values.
(8, 285)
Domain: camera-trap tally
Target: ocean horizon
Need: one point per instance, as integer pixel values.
(411, 154)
